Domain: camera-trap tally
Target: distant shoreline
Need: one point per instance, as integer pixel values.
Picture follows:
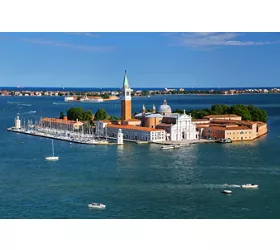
(79, 93)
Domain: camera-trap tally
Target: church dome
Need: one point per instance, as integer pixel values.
(164, 108)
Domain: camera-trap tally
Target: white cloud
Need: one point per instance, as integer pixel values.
(205, 39)
(85, 48)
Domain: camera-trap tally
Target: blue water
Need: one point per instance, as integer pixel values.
(116, 89)
(137, 181)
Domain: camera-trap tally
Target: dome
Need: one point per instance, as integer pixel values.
(164, 108)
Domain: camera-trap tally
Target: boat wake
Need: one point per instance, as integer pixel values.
(24, 104)
(29, 112)
(212, 186)
(13, 102)
(59, 103)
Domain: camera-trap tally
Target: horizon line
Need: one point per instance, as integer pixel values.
(84, 87)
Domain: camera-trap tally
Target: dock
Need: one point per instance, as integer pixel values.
(50, 136)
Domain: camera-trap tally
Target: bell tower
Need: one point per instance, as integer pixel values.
(125, 100)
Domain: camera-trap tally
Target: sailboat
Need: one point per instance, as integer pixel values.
(52, 158)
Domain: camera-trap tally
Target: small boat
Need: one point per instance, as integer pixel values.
(224, 141)
(249, 186)
(52, 158)
(96, 205)
(171, 147)
(227, 192)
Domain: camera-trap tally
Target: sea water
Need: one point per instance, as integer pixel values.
(137, 181)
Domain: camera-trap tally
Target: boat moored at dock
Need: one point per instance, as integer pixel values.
(228, 140)
(171, 147)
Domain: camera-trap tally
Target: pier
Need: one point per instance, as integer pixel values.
(87, 141)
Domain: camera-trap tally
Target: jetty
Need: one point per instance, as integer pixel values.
(58, 134)
(87, 141)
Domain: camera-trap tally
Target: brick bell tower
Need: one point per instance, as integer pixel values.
(125, 100)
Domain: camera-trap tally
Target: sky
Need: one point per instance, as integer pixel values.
(188, 60)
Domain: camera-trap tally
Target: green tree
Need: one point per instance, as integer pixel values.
(145, 92)
(100, 115)
(220, 109)
(241, 110)
(257, 114)
(87, 115)
(105, 96)
(75, 113)
(61, 115)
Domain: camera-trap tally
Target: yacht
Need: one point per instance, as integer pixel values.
(97, 205)
(227, 192)
(171, 147)
(224, 141)
(249, 186)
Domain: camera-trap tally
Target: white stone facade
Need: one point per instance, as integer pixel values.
(179, 127)
(130, 132)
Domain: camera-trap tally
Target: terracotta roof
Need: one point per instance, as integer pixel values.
(238, 128)
(199, 120)
(106, 121)
(217, 128)
(133, 120)
(131, 127)
(221, 116)
(229, 128)
(164, 125)
(220, 121)
(62, 121)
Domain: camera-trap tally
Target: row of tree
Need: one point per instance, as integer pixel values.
(81, 115)
(247, 112)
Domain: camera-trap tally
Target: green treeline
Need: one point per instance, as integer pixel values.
(82, 115)
(247, 112)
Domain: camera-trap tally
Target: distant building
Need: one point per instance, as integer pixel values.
(62, 124)
(235, 129)
(224, 117)
(91, 99)
(130, 132)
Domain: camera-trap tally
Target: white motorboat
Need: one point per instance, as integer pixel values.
(52, 158)
(227, 191)
(96, 205)
(171, 147)
(249, 186)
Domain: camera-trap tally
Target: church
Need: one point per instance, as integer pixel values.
(178, 127)
(152, 126)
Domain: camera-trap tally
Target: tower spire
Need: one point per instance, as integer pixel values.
(154, 109)
(125, 81)
(143, 109)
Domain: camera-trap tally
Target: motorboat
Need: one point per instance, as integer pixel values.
(171, 147)
(227, 191)
(96, 205)
(228, 140)
(249, 186)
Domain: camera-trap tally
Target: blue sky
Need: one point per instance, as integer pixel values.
(151, 59)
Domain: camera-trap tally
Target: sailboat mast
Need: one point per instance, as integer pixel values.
(52, 148)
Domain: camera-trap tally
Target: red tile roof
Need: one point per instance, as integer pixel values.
(131, 127)
(62, 121)
(221, 116)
